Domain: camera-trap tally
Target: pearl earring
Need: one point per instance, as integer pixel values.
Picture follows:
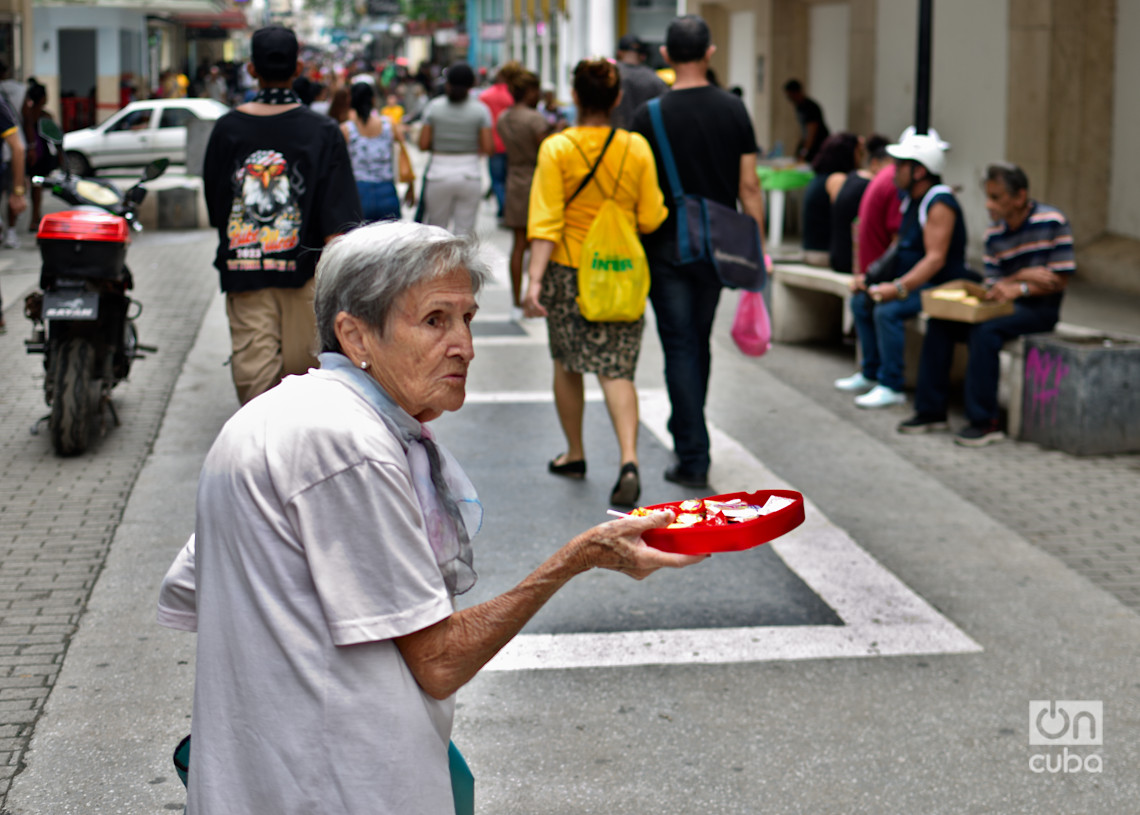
(364, 365)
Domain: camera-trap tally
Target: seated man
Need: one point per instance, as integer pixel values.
(1029, 259)
(931, 250)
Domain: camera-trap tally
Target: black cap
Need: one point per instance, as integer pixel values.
(460, 75)
(273, 51)
(632, 42)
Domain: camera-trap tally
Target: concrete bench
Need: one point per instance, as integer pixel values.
(809, 303)
(174, 202)
(1011, 383)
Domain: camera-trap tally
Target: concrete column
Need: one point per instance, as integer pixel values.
(27, 39)
(718, 19)
(107, 82)
(545, 52)
(565, 52)
(531, 61)
(601, 34)
(861, 71)
(1059, 119)
(788, 58)
(517, 40)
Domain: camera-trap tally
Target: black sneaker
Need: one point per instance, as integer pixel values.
(978, 435)
(695, 481)
(923, 423)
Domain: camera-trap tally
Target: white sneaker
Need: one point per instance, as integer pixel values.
(880, 396)
(11, 239)
(855, 382)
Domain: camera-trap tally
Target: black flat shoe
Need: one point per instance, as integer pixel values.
(694, 481)
(569, 469)
(628, 486)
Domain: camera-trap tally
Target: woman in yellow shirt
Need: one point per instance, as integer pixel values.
(556, 229)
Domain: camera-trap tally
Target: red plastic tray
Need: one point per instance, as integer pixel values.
(706, 540)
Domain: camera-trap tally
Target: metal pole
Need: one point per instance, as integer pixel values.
(922, 78)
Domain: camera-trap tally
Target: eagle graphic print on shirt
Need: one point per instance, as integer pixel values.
(265, 218)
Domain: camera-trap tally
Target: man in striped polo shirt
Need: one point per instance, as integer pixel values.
(1029, 259)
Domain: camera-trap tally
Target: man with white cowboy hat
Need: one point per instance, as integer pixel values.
(931, 250)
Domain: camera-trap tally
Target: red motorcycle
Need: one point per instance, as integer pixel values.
(83, 319)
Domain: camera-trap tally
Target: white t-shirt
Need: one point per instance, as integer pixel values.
(311, 555)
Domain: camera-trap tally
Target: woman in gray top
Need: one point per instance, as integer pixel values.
(457, 131)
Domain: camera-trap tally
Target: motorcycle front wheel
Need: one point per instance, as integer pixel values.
(71, 401)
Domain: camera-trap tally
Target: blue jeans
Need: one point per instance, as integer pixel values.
(984, 368)
(684, 301)
(497, 166)
(379, 200)
(882, 335)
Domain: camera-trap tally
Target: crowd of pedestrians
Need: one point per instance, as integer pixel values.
(342, 487)
(24, 154)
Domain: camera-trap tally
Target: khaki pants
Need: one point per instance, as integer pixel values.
(274, 334)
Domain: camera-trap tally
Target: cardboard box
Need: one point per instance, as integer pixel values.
(969, 306)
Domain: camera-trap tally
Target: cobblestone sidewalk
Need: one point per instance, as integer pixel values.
(57, 516)
(1083, 510)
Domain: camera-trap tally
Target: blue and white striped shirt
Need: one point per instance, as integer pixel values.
(1043, 239)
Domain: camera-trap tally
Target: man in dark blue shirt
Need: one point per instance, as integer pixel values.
(931, 250)
(1029, 260)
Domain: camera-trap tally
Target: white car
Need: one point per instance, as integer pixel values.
(137, 135)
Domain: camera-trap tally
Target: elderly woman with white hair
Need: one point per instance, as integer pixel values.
(332, 536)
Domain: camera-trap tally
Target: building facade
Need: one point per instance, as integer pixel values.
(1043, 83)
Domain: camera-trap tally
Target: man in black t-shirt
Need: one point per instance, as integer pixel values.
(714, 148)
(813, 130)
(279, 186)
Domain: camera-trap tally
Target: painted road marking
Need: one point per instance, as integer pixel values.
(881, 615)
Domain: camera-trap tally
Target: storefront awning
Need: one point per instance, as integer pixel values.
(231, 20)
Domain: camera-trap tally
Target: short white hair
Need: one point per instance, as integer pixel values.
(364, 272)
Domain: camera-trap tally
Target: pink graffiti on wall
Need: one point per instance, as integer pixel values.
(1044, 374)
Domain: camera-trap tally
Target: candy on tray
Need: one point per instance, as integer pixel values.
(709, 512)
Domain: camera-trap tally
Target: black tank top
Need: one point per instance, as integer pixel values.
(843, 213)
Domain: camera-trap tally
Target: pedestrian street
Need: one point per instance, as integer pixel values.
(812, 594)
(879, 659)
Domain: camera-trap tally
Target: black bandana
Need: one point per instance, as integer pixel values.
(277, 96)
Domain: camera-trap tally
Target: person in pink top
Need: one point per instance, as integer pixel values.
(879, 211)
(498, 98)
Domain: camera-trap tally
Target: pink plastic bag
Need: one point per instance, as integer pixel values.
(751, 329)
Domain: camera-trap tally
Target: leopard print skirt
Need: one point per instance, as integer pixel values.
(609, 349)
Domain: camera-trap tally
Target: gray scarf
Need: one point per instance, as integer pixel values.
(450, 506)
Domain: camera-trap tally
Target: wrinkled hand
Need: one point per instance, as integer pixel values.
(530, 305)
(1003, 291)
(618, 546)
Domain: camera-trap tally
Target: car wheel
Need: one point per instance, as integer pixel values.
(78, 164)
